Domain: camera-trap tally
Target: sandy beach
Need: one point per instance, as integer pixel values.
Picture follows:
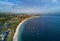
(15, 38)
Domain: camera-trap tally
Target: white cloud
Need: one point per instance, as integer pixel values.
(6, 3)
(54, 0)
(15, 8)
(26, 10)
(7, 6)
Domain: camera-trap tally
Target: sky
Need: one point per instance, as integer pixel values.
(29, 6)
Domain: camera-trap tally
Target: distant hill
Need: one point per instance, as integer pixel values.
(5, 13)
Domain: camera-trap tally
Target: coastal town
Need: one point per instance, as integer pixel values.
(8, 25)
(29, 20)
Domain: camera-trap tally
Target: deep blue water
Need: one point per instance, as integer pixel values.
(44, 28)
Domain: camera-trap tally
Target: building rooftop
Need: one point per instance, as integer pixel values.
(1, 36)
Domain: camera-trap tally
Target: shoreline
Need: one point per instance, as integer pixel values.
(15, 37)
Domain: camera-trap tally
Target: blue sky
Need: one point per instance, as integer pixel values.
(29, 6)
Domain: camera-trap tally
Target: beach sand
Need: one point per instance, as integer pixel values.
(15, 37)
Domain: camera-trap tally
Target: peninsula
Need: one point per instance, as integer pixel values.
(10, 23)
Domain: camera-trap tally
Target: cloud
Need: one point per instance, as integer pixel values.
(54, 0)
(11, 7)
(7, 6)
(6, 3)
(18, 7)
(26, 10)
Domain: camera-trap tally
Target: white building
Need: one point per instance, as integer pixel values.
(1, 37)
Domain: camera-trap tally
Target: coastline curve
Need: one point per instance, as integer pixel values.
(15, 37)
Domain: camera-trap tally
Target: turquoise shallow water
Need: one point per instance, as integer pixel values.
(44, 28)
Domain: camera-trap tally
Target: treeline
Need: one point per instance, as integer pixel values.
(5, 17)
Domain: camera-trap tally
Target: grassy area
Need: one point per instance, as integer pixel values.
(13, 28)
(3, 19)
(3, 29)
(10, 35)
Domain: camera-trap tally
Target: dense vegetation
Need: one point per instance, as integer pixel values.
(12, 21)
(5, 17)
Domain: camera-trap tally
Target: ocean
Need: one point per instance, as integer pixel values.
(44, 28)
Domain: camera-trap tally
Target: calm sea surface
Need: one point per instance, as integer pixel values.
(44, 28)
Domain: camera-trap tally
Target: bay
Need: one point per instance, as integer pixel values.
(44, 28)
